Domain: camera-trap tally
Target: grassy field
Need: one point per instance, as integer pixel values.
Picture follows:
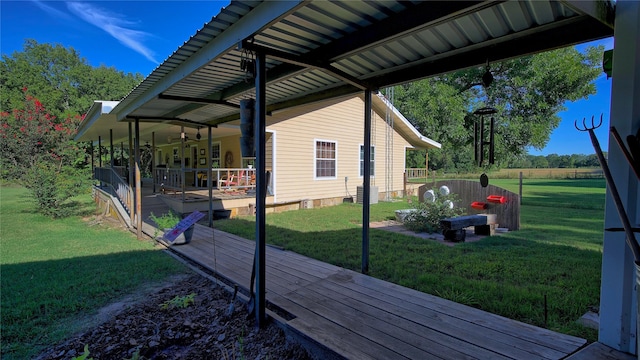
(556, 254)
(56, 273)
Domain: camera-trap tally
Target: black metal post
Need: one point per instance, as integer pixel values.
(209, 175)
(99, 151)
(153, 160)
(132, 210)
(366, 193)
(111, 149)
(138, 183)
(261, 188)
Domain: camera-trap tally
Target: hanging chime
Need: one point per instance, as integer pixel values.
(480, 131)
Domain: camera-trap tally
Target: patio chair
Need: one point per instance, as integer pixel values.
(227, 181)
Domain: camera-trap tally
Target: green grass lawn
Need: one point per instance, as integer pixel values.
(55, 273)
(556, 254)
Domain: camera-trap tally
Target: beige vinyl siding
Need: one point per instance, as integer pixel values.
(340, 121)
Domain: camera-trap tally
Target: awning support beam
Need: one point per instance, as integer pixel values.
(261, 189)
(366, 190)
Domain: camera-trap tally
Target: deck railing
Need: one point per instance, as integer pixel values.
(223, 178)
(416, 173)
(111, 178)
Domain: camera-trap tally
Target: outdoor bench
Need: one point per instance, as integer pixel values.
(454, 228)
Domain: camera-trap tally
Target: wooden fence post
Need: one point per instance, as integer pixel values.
(520, 188)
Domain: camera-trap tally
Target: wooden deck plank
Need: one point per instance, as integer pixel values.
(378, 328)
(561, 342)
(343, 341)
(439, 327)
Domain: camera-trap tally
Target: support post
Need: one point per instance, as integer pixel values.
(153, 160)
(520, 188)
(209, 175)
(132, 205)
(618, 302)
(138, 183)
(111, 149)
(93, 165)
(261, 188)
(99, 151)
(366, 189)
(182, 174)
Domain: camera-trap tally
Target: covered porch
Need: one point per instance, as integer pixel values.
(315, 50)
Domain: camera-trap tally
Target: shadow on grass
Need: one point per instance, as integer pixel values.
(39, 300)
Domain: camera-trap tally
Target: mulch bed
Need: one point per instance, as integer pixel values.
(212, 326)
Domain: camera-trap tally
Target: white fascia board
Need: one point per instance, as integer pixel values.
(248, 25)
(429, 143)
(97, 109)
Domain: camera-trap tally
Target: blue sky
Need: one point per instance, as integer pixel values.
(136, 36)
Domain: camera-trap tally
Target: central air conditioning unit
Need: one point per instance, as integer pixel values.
(373, 198)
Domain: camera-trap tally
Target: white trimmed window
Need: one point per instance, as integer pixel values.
(371, 159)
(325, 159)
(215, 155)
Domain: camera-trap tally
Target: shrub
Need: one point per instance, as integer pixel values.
(52, 187)
(428, 214)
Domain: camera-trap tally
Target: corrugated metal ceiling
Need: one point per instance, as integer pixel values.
(375, 43)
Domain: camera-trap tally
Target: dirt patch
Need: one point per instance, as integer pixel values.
(398, 227)
(193, 318)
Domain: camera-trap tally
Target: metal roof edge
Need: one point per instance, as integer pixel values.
(421, 140)
(165, 75)
(97, 109)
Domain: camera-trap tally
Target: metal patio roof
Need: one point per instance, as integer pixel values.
(322, 49)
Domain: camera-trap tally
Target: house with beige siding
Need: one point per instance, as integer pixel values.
(314, 156)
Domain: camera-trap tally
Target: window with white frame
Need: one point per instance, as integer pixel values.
(215, 155)
(325, 155)
(371, 159)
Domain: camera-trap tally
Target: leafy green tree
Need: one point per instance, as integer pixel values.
(37, 149)
(540, 162)
(62, 80)
(528, 93)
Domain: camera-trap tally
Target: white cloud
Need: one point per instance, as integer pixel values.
(115, 25)
(51, 10)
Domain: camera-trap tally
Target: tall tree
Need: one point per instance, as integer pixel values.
(36, 149)
(63, 81)
(528, 93)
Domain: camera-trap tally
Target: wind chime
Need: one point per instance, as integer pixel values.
(483, 127)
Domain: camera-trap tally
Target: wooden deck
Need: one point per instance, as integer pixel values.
(360, 317)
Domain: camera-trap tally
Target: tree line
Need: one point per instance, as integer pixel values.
(45, 90)
(554, 161)
(527, 94)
